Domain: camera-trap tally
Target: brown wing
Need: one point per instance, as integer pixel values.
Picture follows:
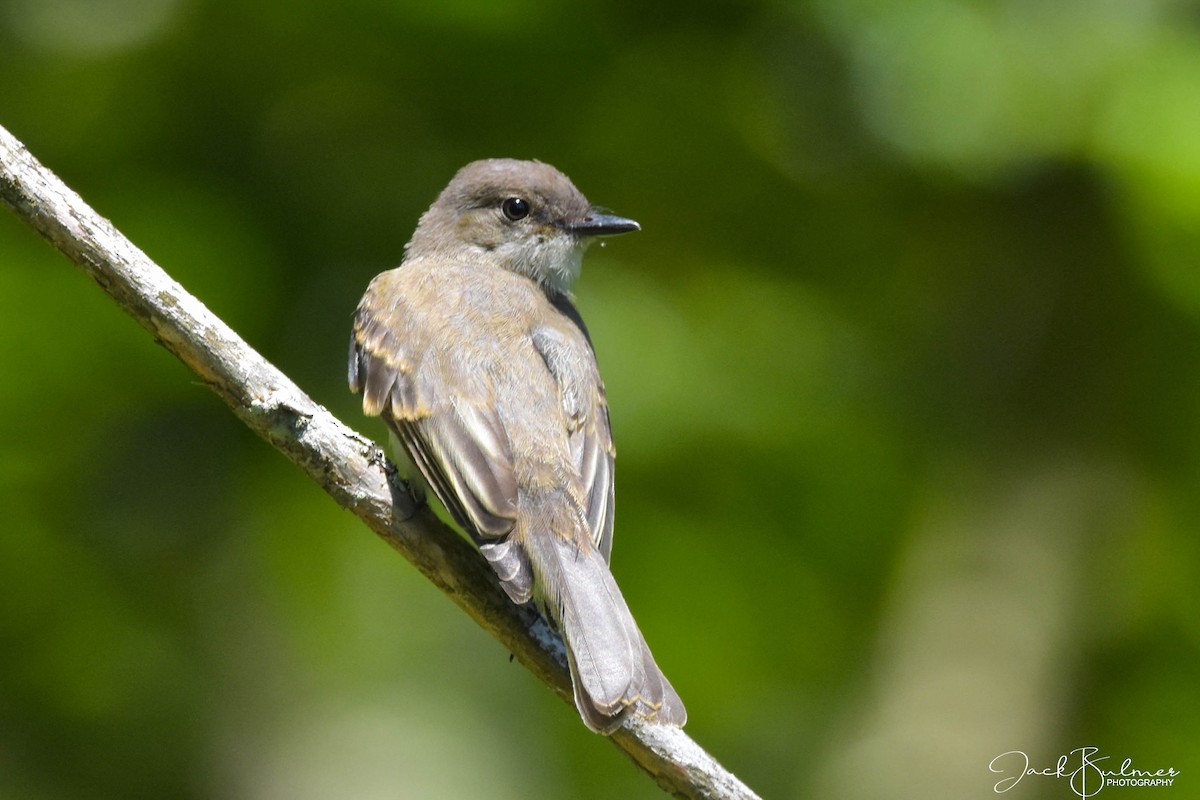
(582, 393)
(595, 462)
(460, 449)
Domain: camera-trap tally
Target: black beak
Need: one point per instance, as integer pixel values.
(597, 224)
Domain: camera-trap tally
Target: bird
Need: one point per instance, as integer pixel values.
(475, 356)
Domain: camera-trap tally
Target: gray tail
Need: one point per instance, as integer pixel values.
(612, 671)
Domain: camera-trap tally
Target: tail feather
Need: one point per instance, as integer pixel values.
(659, 700)
(612, 670)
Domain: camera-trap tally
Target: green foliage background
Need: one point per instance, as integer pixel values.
(904, 374)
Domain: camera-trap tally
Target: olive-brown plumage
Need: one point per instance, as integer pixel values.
(473, 353)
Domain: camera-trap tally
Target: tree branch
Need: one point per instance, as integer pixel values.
(348, 466)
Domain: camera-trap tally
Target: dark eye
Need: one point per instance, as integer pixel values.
(515, 208)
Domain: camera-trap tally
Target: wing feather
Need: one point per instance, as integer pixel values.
(573, 365)
(460, 449)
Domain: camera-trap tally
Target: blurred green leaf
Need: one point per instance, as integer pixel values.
(903, 268)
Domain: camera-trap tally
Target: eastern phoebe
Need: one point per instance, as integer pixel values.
(475, 356)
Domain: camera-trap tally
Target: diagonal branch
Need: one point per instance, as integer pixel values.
(348, 466)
